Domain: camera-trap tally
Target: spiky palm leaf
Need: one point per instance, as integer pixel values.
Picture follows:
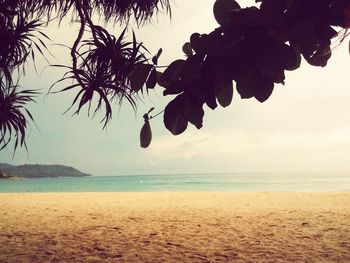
(108, 10)
(100, 71)
(105, 70)
(123, 10)
(19, 38)
(14, 116)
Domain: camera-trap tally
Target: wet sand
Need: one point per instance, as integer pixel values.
(175, 227)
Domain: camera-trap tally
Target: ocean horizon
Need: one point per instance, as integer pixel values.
(221, 182)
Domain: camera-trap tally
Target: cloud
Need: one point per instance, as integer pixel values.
(205, 144)
(248, 150)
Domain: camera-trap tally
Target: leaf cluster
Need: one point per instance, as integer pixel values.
(110, 67)
(249, 52)
(14, 116)
(104, 65)
(20, 36)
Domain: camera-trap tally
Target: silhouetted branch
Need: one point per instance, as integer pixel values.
(77, 42)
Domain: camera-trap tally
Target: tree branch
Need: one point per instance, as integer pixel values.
(77, 41)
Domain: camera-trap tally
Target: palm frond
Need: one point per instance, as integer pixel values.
(105, 69)
(106, 63)
(19, 39)
(14, 116)
(123, 10)
(108, 10)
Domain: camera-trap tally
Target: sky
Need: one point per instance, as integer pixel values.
(304, 126)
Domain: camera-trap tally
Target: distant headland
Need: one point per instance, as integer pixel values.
(8, 171)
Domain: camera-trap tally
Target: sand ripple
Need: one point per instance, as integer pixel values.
(175, 227)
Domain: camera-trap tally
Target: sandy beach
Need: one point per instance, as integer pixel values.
(175, 227)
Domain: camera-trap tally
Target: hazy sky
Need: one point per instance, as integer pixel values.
(303, 126)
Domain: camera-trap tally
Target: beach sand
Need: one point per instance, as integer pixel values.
(175, 227)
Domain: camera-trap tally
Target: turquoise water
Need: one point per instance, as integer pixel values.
(236, 182)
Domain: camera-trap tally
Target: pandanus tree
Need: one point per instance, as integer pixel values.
(248, 52)
(103, 66)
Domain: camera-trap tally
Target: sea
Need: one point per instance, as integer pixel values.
(222, 182)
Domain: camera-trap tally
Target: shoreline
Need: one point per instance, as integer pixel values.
(12, 177)
(175, 226)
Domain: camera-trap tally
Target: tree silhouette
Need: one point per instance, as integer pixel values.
(249, 52)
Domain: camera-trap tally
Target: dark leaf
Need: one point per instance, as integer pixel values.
(152, 79)
(271, 66)
(155, 60)
(145, 135)
(194, 112)
(160, 51)
(139, 76)
(224, 93)
(209, 91)
(223, 10)
(263, 89)
(244, 65)
(192, 68)
(271, 12)
(172, 73)
(175, 87)
(320, 58)
(174, 118)
(187, 49)
(290, 58)
(208, 83)
(244, 90)
(259, 86)
(156, 57)
(197, 42)
(216, 44)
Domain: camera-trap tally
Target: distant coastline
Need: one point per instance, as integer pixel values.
(4, 175)
(8, 171)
